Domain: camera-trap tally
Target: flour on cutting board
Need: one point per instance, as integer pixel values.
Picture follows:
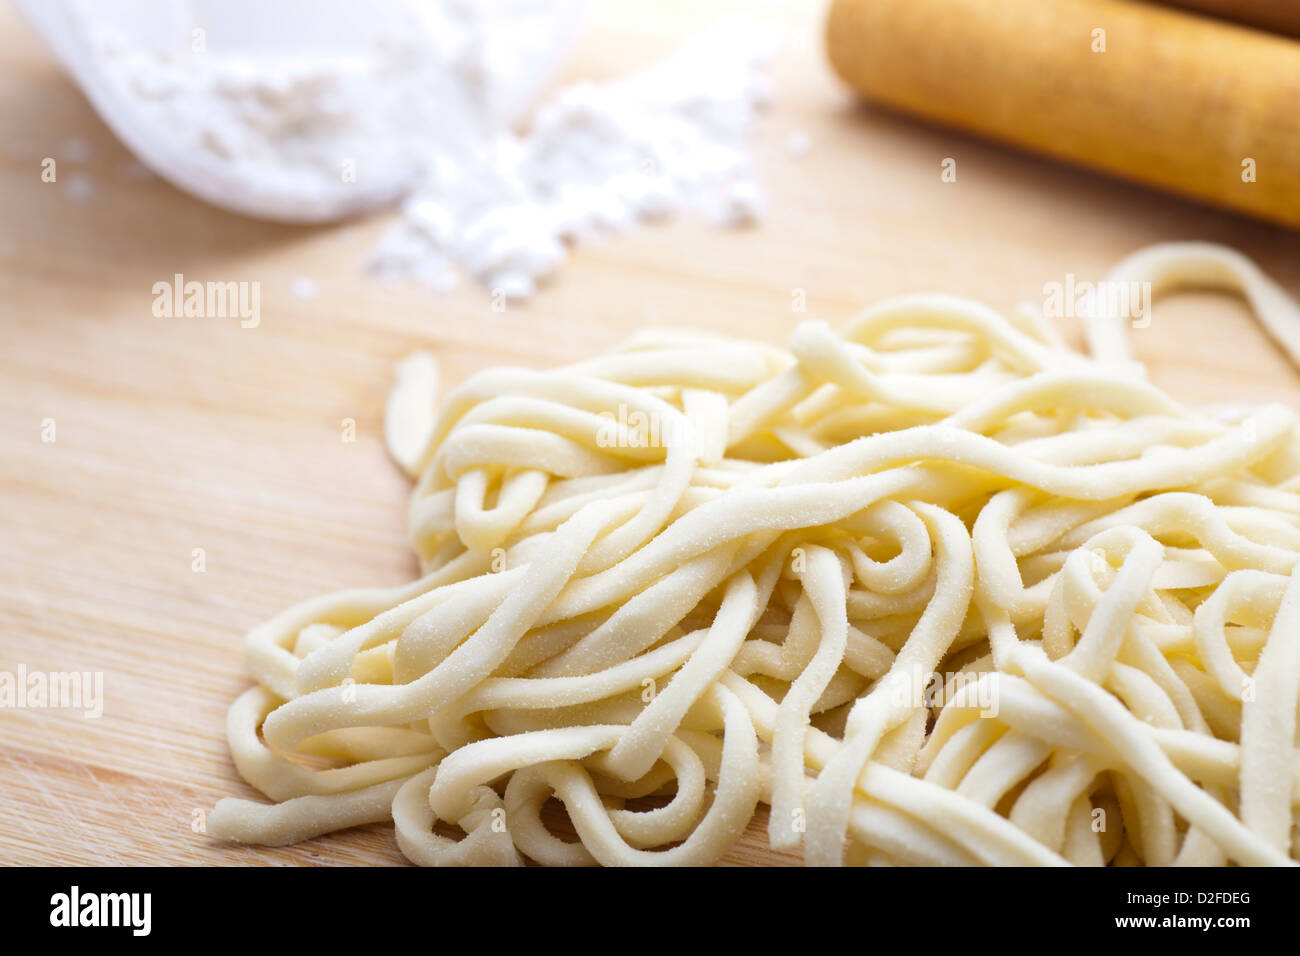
(597, 158)
(433, 109)
(309, 121)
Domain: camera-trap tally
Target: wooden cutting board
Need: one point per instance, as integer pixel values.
(173, 435)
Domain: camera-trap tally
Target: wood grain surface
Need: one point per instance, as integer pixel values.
(177, 434)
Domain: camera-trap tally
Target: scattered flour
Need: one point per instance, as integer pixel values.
(79, 187)
(596, 159)
(304, 287)
(797, 144)
(76, 150)
(435, 111)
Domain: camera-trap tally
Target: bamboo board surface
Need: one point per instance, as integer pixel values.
(181, 434)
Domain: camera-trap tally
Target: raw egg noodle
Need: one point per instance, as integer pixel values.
(936, 590)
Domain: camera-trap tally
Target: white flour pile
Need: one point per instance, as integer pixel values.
(296, 120)
(311, 123)
(596, 159)
(431, 110)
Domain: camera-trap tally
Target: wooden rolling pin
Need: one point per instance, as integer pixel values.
(1281, 16)
(1172, 99)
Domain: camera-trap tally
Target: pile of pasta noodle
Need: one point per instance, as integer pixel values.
(936, 590)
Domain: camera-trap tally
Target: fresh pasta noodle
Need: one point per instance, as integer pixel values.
(937, 590)
(1203, 265)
